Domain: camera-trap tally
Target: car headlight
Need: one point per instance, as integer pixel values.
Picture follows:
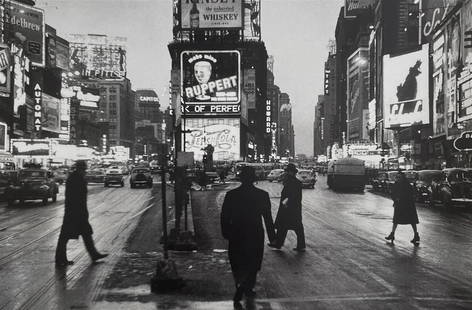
(44, 187)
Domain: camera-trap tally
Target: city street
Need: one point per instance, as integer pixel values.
(28, 238)
(347, 265)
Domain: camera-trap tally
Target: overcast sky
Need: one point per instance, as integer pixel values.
(296, 33)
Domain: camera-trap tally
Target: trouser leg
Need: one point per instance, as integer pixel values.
(300, 232)
(90, 245)
(61, 249)
(280, 236)
(249, 283)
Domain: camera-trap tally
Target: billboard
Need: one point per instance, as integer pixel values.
(3, 137)
(51, 108)
(352, 8)
(215, 14)
(439, 116)
(30, 147)
(433, 12)
(210, 82)
(27, 26)
(222, 133)
(406, 89)
(146, 97)
(5, 69)
(62, 54)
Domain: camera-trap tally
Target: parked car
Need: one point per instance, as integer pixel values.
(32, 184)
(275, 175)
(453, 187)
(96, 175)
(140, 176)
(114, 176)
(423, 184)
(378, 181)
(307, 178)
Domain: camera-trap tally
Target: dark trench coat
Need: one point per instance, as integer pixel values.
(76, 215)
(403, 195)
(242, 213)
(290, 216)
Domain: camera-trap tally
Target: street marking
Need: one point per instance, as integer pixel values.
(142, 211)
(376, 277)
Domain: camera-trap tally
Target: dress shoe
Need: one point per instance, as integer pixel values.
(99, 256)
(390, 237)
(237, 305)
(64, 263)
(416, 239)
(274, 246)
(299, 249)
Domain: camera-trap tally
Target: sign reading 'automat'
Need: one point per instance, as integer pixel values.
(210, 82)
(38, 110)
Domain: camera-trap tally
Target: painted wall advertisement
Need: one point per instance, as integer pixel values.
(222, 133)
(406, 89)
(27, 24)
(210, 82)
(201, 14)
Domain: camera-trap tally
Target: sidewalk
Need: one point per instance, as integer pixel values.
(206, 272)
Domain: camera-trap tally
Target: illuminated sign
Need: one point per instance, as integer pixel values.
(4, 69)
(149, 99)
(27, 23)
(222, 133)
(210, 77)
(268, 116)
(210, 109)
(464, 142)
(37, 108)
(3, 137)
(406, 89)
(352, 8)
(204, 14)
(30, 147)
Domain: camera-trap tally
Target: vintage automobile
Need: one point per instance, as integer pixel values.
(275, 175)
(307, 177)
(60, 175)
(96, 175)
(346, 174)
(453, 187)
(140, 176)
(423, 184)
(32, 184)
(114, 176)
(378, 181)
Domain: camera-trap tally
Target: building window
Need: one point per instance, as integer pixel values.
(112, 97)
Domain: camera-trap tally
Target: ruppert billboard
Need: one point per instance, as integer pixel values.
(406, 89)
(210, 82)
(211, 14)
(27, 24)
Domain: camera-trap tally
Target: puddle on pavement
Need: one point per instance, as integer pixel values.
(219, 305)
(140, 290)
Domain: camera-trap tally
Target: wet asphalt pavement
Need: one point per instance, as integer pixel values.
(347, 265)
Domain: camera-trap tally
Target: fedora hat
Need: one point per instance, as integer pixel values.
(291, 168)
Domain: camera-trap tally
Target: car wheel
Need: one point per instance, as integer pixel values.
(54, 198)
(122, 184)
(132, 185)
(45, 201)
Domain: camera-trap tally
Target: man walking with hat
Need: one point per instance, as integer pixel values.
(289, 215)
(76, 215)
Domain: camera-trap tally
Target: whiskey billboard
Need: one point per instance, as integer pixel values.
(210, 82)
(213, 14)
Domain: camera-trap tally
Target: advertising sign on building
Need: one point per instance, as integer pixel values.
(147, 97)
(38, 115)
(439, 116)
(406, 89)
(433, 12)
(268, 116)
(464, 142)
(51, 110)
(466, 19)
(210, 82)
(199, 14)
(222, 133)
(22, 64)
(27, 23)
(352, 8)
(3, 137)
(62, 54)
(29, 147)
(4, 70)
(357, 90)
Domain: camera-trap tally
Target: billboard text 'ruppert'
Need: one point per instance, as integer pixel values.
(212, 86)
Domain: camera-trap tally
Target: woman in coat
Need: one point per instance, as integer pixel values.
(403, 196)
(242, 213)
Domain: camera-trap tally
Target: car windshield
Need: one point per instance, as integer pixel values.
(456, 175)
(429, 176)
(32, 174)
(411, 175)
(304, 173)
(392, 175)
(140, 171)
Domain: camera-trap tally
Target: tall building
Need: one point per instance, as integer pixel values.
(286, 133)
(148, 122)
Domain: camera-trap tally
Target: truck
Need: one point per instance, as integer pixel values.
(346, 174)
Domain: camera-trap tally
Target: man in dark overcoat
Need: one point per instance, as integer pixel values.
(289, 215)
(242, 213)
(403, 196)
(76, 215)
